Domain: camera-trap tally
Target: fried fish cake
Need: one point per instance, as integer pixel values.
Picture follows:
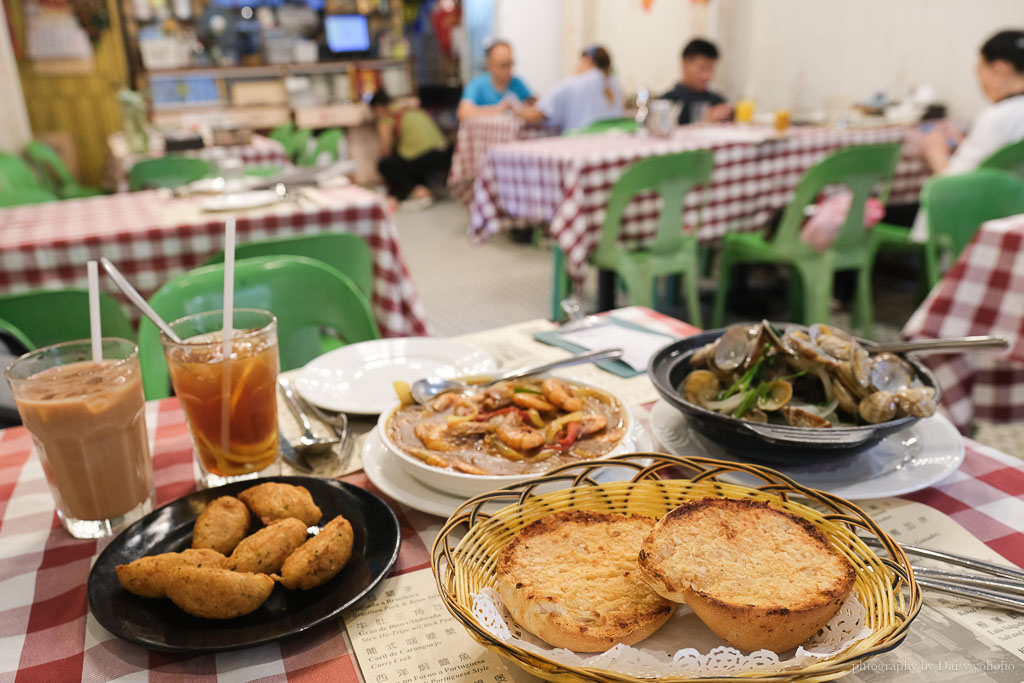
(272, 501)
(221, 525)
(218, 593)
(320, 558)
(266, 550)
(147, 576)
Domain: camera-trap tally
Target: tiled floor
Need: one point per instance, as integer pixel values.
(467, 287)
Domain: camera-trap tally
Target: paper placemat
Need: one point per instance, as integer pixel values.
(638, 342)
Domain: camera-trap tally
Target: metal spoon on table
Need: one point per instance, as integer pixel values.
(308, 443)
(425, 389)
(978, 343)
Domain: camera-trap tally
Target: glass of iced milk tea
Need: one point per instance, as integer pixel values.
(230, 404)
(88, 425)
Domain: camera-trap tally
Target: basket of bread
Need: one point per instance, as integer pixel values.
(675, 574)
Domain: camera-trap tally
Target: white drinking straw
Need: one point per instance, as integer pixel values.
(95, 331)
(226, 330)
(229, 284)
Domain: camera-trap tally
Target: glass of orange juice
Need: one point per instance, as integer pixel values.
(781, 120)
(744, 111)
(230, 403)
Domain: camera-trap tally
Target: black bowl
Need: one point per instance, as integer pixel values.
(773, 443)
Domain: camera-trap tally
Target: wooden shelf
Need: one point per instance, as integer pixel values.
(278, 70)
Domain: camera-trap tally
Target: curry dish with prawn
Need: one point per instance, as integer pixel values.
(515, 427)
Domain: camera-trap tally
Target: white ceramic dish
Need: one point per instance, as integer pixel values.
(385, 471)
(358, 378)
(469, 485)
(921, 455)
(239, 201)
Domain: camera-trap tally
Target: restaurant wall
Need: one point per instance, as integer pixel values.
(821, 54)
(14, 126)
(534, 28)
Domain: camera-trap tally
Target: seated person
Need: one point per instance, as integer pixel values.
(593, 94)
(699, 60)
(412, 148)
(497, 90)
(1001, 77)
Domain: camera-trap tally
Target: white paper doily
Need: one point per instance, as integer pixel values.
(660, 655)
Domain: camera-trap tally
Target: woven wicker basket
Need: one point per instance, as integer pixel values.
(464, 554)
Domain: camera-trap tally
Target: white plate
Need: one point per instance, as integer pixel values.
(385, 471)
(239, 201)
(358, 378)
(917, 457)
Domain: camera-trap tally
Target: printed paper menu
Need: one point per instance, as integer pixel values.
(406, 634)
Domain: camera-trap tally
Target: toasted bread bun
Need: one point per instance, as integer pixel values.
(758, 577)
(571, 579)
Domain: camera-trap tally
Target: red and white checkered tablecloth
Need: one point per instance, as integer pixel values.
(475, 136)
(566, 181)
(259, 150)
(983, 293)
(48, 245)
(48, 634)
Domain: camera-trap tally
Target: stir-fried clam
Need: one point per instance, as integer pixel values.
(821, 377)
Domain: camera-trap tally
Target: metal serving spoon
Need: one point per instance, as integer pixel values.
(978, 343)
(308, 442)
(425, 389)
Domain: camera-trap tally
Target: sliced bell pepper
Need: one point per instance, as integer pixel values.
(572, 432)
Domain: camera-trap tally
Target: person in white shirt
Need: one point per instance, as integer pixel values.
(1001, 76)
(592, 94)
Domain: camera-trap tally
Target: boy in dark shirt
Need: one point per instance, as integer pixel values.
(699, 60)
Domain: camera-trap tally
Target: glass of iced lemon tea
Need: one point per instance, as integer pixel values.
(230, 403)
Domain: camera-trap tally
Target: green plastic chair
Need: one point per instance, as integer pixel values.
(262, 170)
(860, 169)
(1010, 158)
(327, 142)
(672, 252)
(624, 124)
(56, 176)
(957, 205)
(51, 316)
(18, 184)
(170, 172)
(295, 146)
(283, 133)
(348, 253)
(305, 295)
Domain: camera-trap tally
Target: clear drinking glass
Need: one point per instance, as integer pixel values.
(88, 426)
(230, 405)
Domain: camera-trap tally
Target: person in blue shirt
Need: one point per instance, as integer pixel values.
(592, 94)
(497, 90)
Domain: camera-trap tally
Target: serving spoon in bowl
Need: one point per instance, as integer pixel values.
(426, 389)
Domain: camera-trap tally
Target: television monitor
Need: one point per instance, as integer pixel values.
(347, 33)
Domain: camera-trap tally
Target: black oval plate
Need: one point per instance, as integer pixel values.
(160, 625)
(770, 443)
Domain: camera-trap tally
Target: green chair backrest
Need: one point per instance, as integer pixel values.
(348, 253)
(1009, 158)
(26, 195)
(328, 142)
(671, 176)
(48, 165)
(283, 133)
(51, 316)
(305, 295)
(295, 146)
(171, 172)
(624, 124)
(15, 174)
(860, 169)
(957, 205)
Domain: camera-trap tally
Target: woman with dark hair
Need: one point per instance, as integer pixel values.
(412, 149)
(1001, 77)
(592, 94)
